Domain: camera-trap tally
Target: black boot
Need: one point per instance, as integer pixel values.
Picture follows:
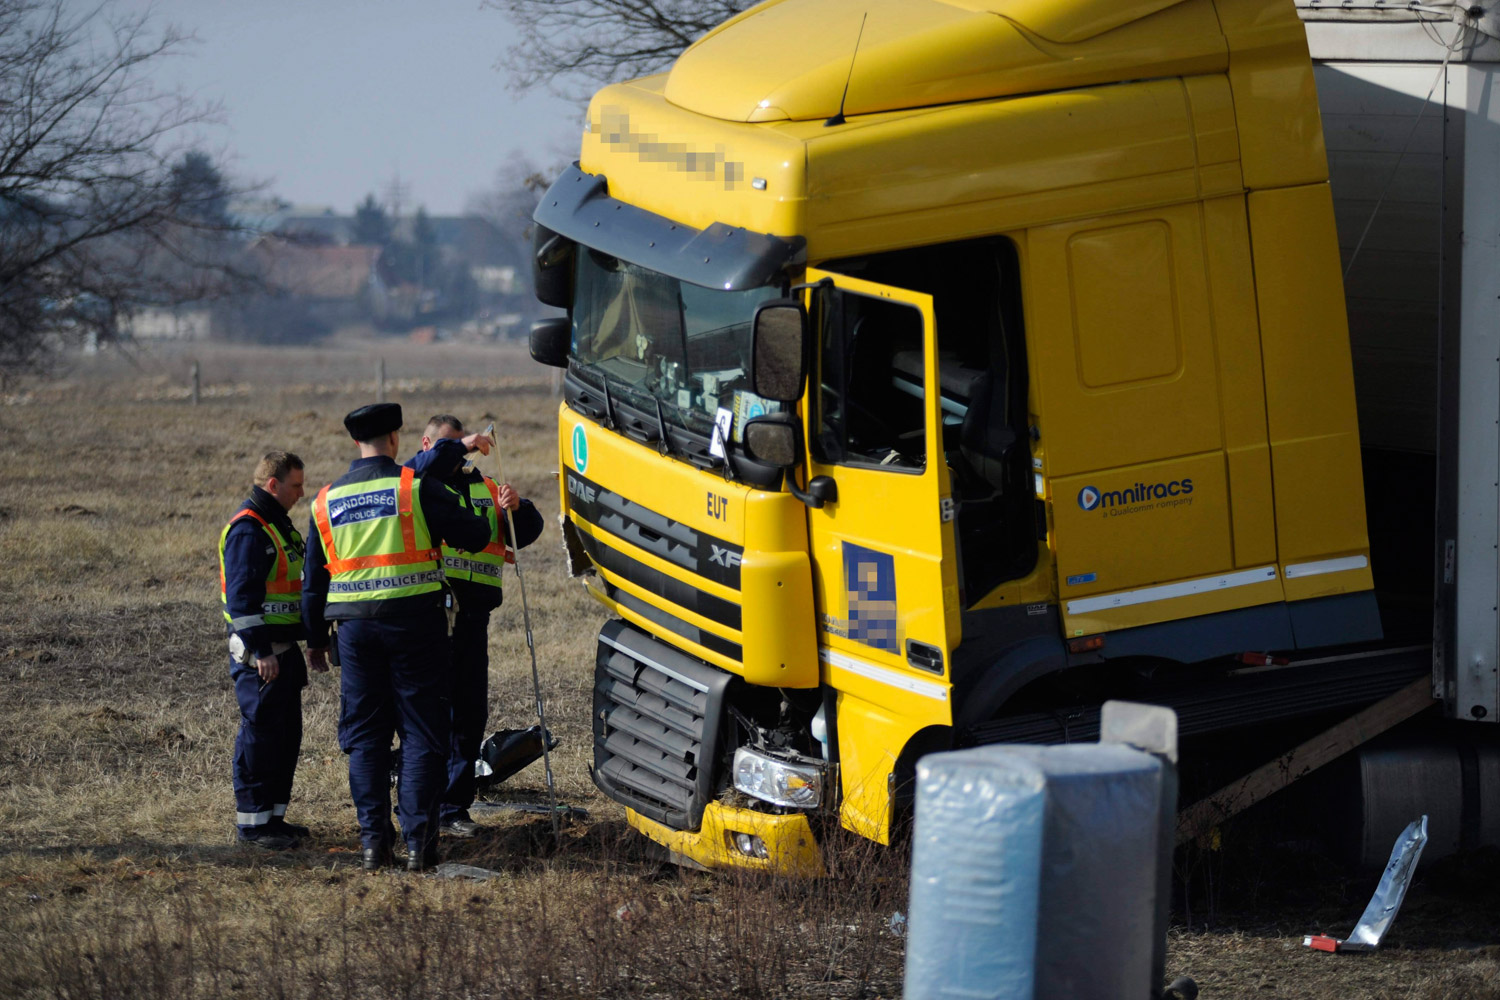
(379, 857)
(422, 860)
(290, 829)
(268, 839)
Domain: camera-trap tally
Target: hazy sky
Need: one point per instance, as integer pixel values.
(328, 100)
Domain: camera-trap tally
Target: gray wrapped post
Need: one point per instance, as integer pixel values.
(1100, 851)
(1153, 729)
(975, 866)
(976, 858)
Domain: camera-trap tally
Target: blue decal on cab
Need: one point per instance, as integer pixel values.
(870, 587)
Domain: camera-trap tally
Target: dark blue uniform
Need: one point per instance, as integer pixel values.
(270, 735)
(395, 673)
(471, 631)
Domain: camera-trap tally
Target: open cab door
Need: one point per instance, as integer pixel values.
(884, 547)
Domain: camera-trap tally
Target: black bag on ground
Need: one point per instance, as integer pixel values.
(507, 752)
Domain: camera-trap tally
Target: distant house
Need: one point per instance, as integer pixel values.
(314, 227)
(337, 284)
(479, 271)
(495, 280)
(468, 239)
(184, 322)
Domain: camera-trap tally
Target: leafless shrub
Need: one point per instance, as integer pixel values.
(93, 219)
(574, 43)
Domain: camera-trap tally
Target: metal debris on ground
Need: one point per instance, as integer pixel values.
(1386, 902)
(535, 808)
(452, 869)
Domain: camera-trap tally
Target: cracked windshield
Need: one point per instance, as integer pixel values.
(658, 338)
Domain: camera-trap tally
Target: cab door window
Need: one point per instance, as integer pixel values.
(871, 373)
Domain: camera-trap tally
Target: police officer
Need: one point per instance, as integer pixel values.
(374, 568)
(476, 579)
(260, 583)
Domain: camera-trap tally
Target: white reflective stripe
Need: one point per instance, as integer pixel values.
(279, 809)
(385, 582)
(246, 622)
(881, 675)
(252, 819)
(473, 566)
(1167, 591)
(1326, 566)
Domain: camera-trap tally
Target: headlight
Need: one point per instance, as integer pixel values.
(777, 781)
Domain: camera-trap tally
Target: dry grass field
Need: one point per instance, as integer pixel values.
(119, 875)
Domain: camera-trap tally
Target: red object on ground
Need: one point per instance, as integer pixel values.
(1321, 942)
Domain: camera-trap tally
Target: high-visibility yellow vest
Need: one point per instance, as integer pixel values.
(376, 541)
(283, 601)
(487, 566)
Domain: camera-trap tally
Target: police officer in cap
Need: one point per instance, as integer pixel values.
(477, 579)
(260, 583)
(374, 567)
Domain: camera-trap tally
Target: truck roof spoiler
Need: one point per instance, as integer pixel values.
(724, 257)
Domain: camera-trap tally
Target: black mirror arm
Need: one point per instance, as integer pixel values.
(820, 283)
(820, 490)
(790, 479)
(544, 253)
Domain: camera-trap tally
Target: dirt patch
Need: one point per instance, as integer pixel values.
(107, 714)
(75, 510)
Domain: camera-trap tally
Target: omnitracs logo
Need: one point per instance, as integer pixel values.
(1092, 498)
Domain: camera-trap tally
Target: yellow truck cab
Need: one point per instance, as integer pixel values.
(936, 369)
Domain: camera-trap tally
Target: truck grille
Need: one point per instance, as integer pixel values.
(616, 524)
(656, 726)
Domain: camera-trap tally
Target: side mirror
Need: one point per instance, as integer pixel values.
(778, 350)
(552, 267)
(774, 439)
(550, 340)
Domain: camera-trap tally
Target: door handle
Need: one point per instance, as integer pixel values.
(924, 656)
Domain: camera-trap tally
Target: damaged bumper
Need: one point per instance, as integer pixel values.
(732, 837)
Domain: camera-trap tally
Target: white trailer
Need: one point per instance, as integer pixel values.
(1410, 96)
(1410, 102)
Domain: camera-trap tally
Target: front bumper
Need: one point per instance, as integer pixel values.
(791, 848)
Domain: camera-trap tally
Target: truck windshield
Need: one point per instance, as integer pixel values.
(661, 339)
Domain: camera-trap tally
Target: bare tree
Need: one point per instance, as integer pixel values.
(570, 45)
(92, 217)
(508, 205)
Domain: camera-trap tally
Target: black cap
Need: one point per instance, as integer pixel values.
(374, 421)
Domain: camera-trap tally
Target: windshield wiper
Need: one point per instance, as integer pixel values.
(609, 403)
(663, 437)
(731, 471)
